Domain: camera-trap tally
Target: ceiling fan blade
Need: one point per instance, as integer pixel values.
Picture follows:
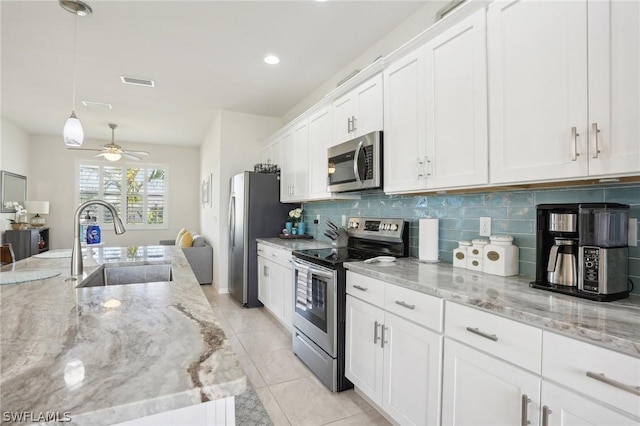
(129, 156)
(136, 152)
(100, 155)
(85, 149)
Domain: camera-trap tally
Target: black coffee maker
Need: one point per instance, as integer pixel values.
(581, 250)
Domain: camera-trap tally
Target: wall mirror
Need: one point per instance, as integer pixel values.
(13, 187)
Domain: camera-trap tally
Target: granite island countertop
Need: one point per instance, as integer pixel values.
(109, 354)
(613, 325)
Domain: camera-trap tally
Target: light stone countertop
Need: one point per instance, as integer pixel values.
(613, 325)
(110, 354)
(294, 243)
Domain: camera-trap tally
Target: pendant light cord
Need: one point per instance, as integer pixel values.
(75, 64)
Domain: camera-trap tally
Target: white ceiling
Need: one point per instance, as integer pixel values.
(203, 56)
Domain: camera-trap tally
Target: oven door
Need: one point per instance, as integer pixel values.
(315, 303)
(356, 164)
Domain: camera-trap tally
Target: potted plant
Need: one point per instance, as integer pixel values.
(17, 224)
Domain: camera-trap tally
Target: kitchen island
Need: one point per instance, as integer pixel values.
(109, 354)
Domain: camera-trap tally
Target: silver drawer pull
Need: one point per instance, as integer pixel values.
(545, 415)
(524, 420)
(360, 288)
(405, 304)
(604, 379)
(483, 334)
(376, 324)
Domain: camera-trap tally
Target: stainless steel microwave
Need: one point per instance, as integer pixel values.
(356, 165)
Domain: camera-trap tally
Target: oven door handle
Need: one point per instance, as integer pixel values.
(312, 270)
(356, 172)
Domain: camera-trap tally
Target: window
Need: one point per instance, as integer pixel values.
(137, 191)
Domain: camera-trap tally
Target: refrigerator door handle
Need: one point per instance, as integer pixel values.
(232, 221)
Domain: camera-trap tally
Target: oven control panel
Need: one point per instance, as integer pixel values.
(368, 227)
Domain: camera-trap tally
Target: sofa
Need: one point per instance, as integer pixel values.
(199, 256)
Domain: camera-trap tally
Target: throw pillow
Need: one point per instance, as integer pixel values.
(186, 240)
(198, 241)
(180, 234)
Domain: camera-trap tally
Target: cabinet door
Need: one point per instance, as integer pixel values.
(320, 138)
(412, 369)
(456, 107)
(614, 87)
(343, 110)
(287, 171)
(263, 281)
(404, 124)
(537, 89)
(276, 289)
(288, 298)
(562, 407)
(368, 98)
(481, 390)
(363, 352)
(300, 161)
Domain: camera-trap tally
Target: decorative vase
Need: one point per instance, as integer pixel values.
(301, 228)
(288, 226)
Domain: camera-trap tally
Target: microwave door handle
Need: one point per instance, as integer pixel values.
(355, 163)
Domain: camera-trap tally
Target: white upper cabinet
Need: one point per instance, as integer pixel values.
(359, 111)
(436, 112)
(614, 87)
(320, 138)
(272, 152)
(565, 91)
(294, 171)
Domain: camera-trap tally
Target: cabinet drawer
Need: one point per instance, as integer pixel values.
(512, 341)
(420, 308)
(279, 256)
(614, 378)
(366, 288)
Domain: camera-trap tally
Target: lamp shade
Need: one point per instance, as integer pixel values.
(37, 207)
(73, 134)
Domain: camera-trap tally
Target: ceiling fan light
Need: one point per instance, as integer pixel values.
(112, 156)
(73, 134)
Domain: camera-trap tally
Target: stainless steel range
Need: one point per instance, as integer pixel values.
(320, 291)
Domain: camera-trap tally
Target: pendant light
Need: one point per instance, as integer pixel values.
(73, 134)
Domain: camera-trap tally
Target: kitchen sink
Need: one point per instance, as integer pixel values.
(129, 274)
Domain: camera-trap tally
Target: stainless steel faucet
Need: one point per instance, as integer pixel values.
(76, 251)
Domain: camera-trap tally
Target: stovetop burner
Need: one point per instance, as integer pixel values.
(334, 258)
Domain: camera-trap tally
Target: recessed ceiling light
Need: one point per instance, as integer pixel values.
(137, 81)
(96, 105)
(272, 60)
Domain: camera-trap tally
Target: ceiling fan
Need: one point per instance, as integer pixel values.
(113, 151)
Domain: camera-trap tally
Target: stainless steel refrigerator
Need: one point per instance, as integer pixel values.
(255, 211)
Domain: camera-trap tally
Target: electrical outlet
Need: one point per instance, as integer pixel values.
(485, 226)
(344, 220)
(633, 232)
(317, 219)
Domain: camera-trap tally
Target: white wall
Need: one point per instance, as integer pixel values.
(411, 27)
(52, 178)
(232, 145)
(14, 158)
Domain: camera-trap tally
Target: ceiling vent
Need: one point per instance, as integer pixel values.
(137, 81)
(96, 105)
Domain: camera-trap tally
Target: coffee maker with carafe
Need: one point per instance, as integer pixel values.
(581, 250)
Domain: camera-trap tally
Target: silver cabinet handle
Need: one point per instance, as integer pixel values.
(525, 405)
(274, 255)
(616, 384)
(349, 125)
(483, 334)
(383, 341)
(594, 140)
(545, 415)
(360, 288)
(574, 144)
(405, 304)
(422, 168)
(265, 271)
(353, 123)
(376, 324)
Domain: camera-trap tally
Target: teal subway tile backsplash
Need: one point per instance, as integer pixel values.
(512, 212)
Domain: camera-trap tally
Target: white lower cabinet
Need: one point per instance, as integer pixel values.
(562, 407)
(275, 283)
(479, 389)
(394, 362)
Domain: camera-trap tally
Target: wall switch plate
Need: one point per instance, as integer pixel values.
(633, 232)
(485, 226)
(344, 220)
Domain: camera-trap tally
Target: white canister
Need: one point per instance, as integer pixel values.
(475, 254)
(501, 256)
(460, 254)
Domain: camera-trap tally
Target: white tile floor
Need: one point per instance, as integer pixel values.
(289, 391)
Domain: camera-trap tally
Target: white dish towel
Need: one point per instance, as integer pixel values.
(302, 290)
